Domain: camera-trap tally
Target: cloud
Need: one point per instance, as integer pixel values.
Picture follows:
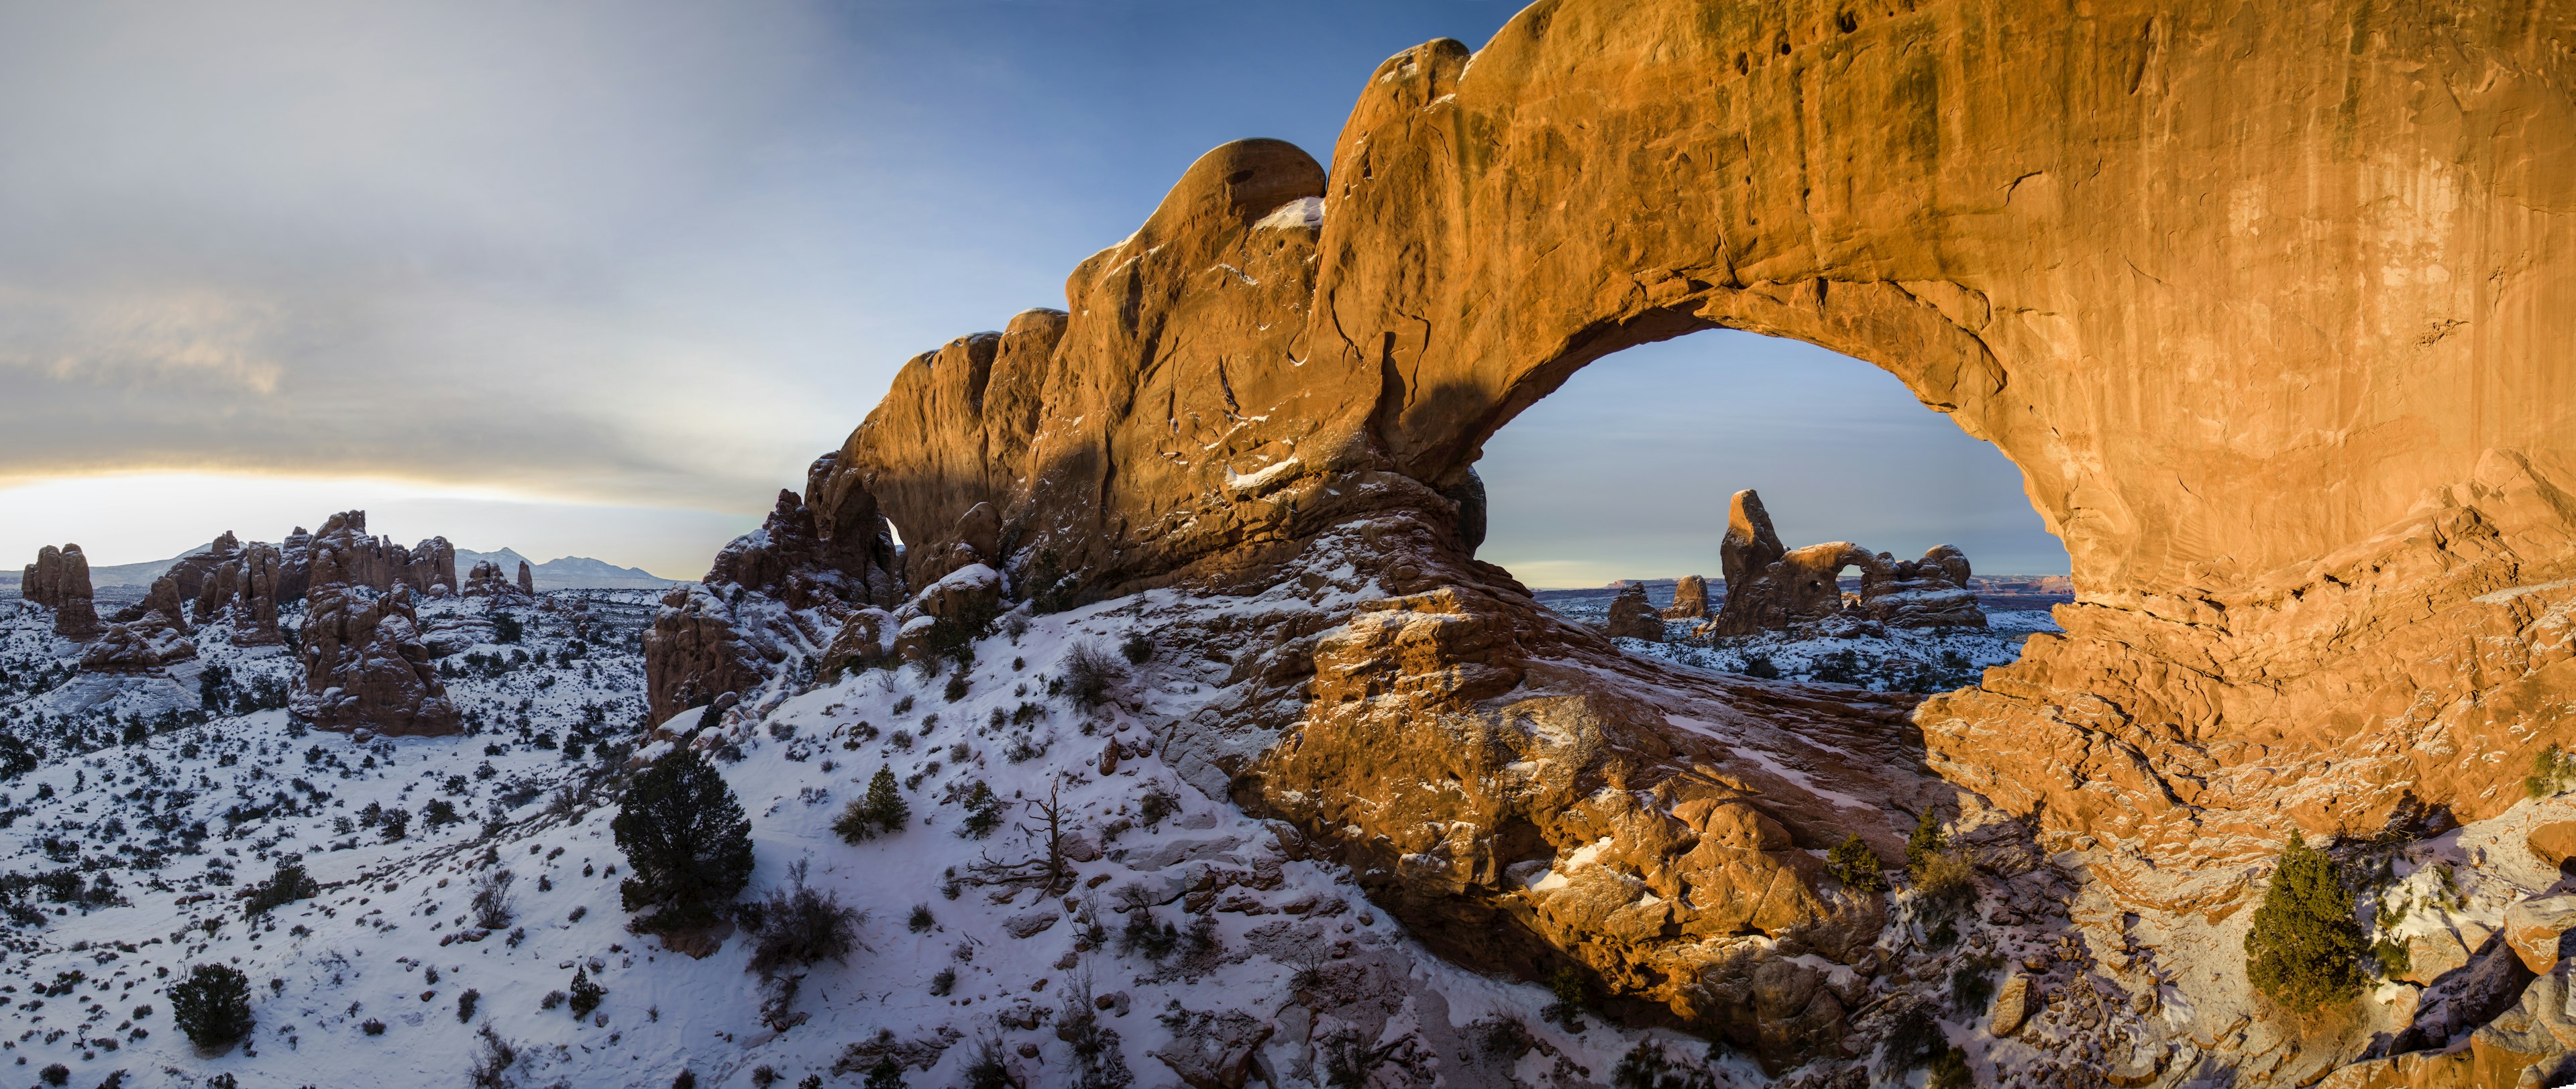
(189, 341)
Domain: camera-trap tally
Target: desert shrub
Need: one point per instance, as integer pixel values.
(507, 628)
(1950, 1071)
(289, 884)
(1972, 983)
(439, 813)
(1839, 667)
(551, 1000)
(492, 899)
(1098, 1063)
(1925, 841)
(1758, 666)
(1646, 1066)
(990, 1069)
(212, 1005)
(585, 993)
(465, 1004)
(687, 841)
(1946, 882)
(55, 1074)
(2393, 958)
(1137, 648)
(1855, 865)
(1050, 587)
(984, 811)
(802, 925)
(2551, 770)
(886, 1074)
(2305, 949)
(1091, 676)
(1912, 1039)
(920, 919)
(395, 824)
(881, 811)
(1571, 995)
(1158, 804)
(372, 1027)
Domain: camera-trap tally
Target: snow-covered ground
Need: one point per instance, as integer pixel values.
(364, 983)
(1840, 652)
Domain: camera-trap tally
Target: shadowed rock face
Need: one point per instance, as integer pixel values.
(2273, 313)
(365, 664)
(59, 580)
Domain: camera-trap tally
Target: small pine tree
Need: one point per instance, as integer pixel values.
(1925, 842)
(881, 811)
(585, 995)
(1856, 866)
(212, 1005)
(2305, 949)
(686, 839)
(886, 1074)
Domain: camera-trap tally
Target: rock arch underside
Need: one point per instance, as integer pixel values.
(2271, 304)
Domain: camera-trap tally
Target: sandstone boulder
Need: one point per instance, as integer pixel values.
(2011, 1007)
(2553, 843)
(1690, 599)
(2533, 926)
(148, 643)
(1632, 618)
(2432, 955)
(527, 580)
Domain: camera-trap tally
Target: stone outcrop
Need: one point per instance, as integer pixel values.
(365, 663)
(149, 642)
(1770, 588)
(784, 591)
(1690, 599)
(261, 590)
(1632, 618)
(527, 580)
(487, 581)
(59, 580)
(2272, 313)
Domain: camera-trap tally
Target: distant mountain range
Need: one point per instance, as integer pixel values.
(566, 573)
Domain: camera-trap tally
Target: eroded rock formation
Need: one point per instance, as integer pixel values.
(2273, 314)
(1769, 588)
(365, 663)
(1690, 599)
(487, 580)
(1632, 618)
(59, 580)
(784, 590)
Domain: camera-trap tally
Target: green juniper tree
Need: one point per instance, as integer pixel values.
(212, 1005)
(687, 841)
(2305, 949)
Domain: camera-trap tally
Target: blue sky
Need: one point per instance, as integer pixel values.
(597, 279)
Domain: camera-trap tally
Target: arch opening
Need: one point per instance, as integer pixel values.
(1623, 473)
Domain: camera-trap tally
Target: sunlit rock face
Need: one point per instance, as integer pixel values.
(2273, 314)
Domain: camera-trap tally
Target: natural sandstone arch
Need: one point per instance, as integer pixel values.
(2271, 305)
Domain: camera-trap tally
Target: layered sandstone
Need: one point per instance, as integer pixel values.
(2272, 313)
(1771, 588)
